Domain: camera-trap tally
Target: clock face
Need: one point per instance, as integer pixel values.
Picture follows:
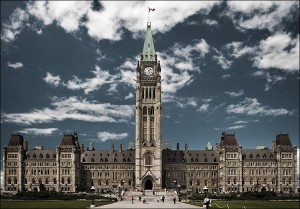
(148, 71)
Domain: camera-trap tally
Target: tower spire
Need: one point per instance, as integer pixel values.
(148, 50)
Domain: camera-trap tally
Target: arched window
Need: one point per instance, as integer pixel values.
(191, 183)
(290, 180)
(41, 155)
(148, 159)
(34, 155)
(107, 182)
(54, 181)
(152, 110)
(47, 156)
(33, 180)
(251, 181)
(62, 180)
(92, 160)
(198, 182)
(273, 181)
(40, 181)
(69, 180)
(9, 181)
(283, 180)
(145, 110)
(15, 180)
(83, 159)
(234, 180)
(205, 183)
(25, 181)
(228, 181)
(54, 156)
(46, 181)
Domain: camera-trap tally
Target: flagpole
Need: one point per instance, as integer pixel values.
(148, 16)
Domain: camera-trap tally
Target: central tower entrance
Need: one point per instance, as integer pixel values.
(148, 151)
(148, 185)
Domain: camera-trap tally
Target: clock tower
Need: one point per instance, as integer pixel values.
(148, 159)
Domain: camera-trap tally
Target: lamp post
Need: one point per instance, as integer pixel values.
(205, 190)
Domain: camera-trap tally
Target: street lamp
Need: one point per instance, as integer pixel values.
(205, 190)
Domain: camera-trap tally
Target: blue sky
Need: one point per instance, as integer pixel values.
(227, 66)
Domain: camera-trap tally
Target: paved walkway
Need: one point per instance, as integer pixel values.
(136, 204)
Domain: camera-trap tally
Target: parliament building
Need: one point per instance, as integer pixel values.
(147, 164)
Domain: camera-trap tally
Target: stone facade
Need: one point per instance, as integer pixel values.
(147, 165)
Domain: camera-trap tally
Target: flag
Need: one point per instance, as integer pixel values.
(151, 9)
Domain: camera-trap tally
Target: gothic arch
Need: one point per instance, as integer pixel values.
(148, 183)
(148, 158)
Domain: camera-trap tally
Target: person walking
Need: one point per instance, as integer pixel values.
(132, 199)
(163, 198)
(174, 200)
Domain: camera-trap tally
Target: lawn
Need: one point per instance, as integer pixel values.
(49, 204)
(253, 204)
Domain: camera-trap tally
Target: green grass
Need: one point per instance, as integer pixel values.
(49, 204)
(253, 204)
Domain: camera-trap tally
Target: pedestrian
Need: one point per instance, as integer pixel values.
(174, 200)
(132, 199)
(163, 198)
(140, 198)
(207, 201)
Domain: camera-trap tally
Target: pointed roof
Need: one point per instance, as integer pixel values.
(148, 50)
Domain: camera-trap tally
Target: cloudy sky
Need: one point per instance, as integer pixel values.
(226, 66)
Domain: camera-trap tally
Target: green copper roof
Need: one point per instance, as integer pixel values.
(148, 50)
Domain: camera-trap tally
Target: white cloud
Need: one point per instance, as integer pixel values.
(91, 84)
(39, 131)
(128, 72)
(225, 76)
(278, 51)
(104, 136)
(271, 79)
(130, 95)
(14, 26)
(113, 17)
(260, 14)
(52, 80)
(185, 102)
(211, 22)
(203, 108)
(234, 94)
(72, 108)
(66, 14)
(236, 127)
(15, 65)
(250, 106)
(222, 61)
(116, 15)
(179, 65)
(240, 122)
(237, 49)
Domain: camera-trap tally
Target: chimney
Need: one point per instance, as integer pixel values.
(112, 148)
(120, 147)
(177, 146)
(186, 147)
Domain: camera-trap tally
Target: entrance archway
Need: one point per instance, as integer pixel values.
(148, 185)
(263, 189)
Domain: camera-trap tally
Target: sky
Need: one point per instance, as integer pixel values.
(226, 66)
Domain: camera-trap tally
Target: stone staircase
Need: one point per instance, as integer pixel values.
(148, 195)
